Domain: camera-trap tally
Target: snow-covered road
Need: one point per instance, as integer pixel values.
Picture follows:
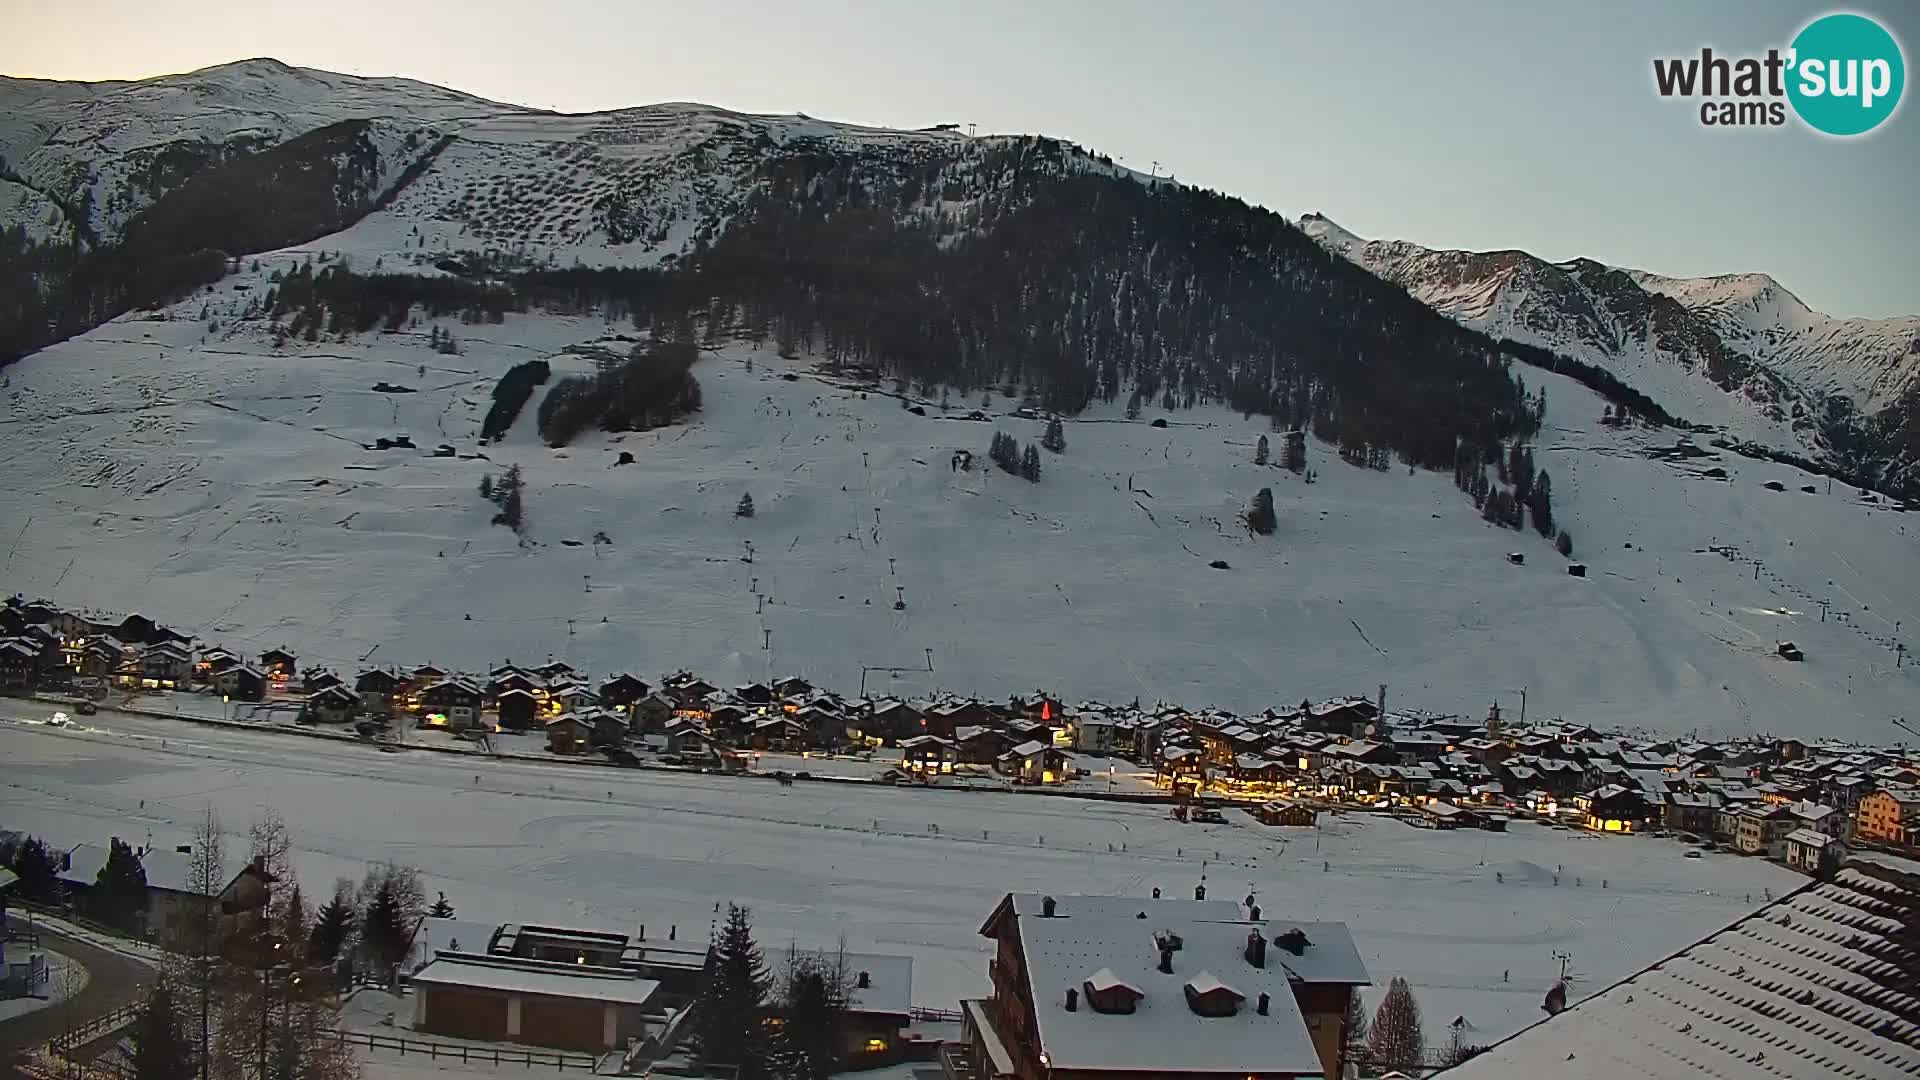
(902, 870)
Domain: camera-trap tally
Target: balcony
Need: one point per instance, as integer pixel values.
(956, 1063)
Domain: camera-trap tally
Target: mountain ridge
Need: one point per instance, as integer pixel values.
(1738, 350)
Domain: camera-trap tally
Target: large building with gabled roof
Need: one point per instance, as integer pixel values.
(1088, 987)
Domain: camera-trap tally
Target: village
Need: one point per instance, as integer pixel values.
(1795, 802)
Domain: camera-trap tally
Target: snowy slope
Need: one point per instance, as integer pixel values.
(1872, 362)
(218, 485)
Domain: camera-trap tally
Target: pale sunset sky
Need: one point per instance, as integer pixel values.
(1478, 124)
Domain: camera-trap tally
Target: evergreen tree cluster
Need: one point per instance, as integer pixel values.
(652, 388)
(392, 904)
(510, 395)
(1531, 494)
(38, 870)
(1006, 452)
(505, 493)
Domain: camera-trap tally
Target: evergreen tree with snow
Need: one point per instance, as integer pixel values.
(332, 926)
(1353, 1043)
(440, 909)
(1395, 1040)
(1260, 516)
(727, 1027)
(745, 507)
(1563, 544)
(486, 486)
(1030, 465)
(1260, 451)
(1055, 438)
(1133, 404)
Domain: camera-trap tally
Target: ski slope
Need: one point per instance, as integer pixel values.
(220, 486)
(1471, 919)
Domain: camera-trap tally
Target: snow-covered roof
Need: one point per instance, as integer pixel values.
(1809, 837)
(1811, 987)
(1028, 749)
(84, 864)
(458, 970)
(1104, 980)
(169, 869)
(1163, 1034)
(889, 986)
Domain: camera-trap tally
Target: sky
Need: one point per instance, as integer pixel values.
(1480, 124)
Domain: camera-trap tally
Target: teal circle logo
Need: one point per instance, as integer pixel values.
(1847, 74)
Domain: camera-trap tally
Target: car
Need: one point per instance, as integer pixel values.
(1693, 853)
(86, 708)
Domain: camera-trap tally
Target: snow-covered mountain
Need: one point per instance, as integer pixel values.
(1738, 352)
(222, 454)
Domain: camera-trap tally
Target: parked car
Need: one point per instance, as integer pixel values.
(86, 708)
(1693, 853)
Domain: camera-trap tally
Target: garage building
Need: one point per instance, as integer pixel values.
(535, 1002)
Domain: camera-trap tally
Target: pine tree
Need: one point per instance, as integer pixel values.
(1353, 1045)
(1133, 404)
(1030, 465)
(333, 925)
(393, 905)
(294, 915)
(1396, 1040)
(120, 888)
(1260, 516)
(486, 486)
(1055, 438)
(440, 909)
(727, 1023)
(1542, 504)
(745, 507)
(1260, 451)
(35, 867)
(160, 1048)
(1563, 544)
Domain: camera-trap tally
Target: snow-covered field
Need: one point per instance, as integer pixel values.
(602, 847)
(227, 489)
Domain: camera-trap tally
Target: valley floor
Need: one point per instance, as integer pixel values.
(1473, 920)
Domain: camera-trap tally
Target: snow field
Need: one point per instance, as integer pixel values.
(604, 848)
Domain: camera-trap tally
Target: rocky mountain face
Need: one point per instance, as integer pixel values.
(1738, 353)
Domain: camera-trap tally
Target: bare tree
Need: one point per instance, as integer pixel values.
(193, 937)
(1396, 1040)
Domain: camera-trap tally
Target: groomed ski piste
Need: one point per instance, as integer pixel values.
(1472, 919)
(230, 489)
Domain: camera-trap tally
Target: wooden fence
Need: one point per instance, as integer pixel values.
(480, 1055)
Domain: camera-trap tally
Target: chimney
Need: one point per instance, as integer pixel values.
(1256, 951)
(1199, 892)
(863, 981)
(1166, 960)
(643, 931)
(1253, 913)
(1264, 1003)
(1294, 941)
(1156, 892)
(1046, 907)
(1073, 1000)
(673, 931)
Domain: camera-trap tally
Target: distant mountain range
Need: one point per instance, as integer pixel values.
(1737, 352)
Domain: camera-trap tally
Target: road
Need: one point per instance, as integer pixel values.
(113, 980)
